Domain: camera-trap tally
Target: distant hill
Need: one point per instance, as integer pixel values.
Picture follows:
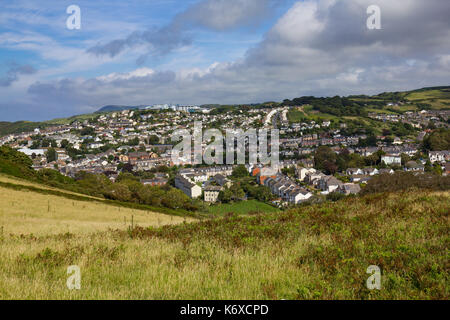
(113, 108)
(19, 126)
(434, 98)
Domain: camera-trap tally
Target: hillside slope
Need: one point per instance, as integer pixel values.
(314, 252)
(30, 208)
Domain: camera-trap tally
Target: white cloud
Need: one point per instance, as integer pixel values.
(316, 48)
(138, 73)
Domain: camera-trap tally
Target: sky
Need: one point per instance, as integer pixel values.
(144, 52)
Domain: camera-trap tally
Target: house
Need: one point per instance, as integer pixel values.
(314, 178)
(266, 173)
(255, 171)
(390, 159)
(95, 145)
(386, 171)
(397, 141)
(366, 152)
(222, 181)
(211, 193)
(143, 165)
(133, 157)
(307, 163)
(30, 152)
(62, 155)
(123, 158)
(302, 172)
(299, 195)
(154, 182)
(370, 171)
(414, 167)
(439, 156)
(287, 190)
(350, 188)
(421, 135)
(354, 171)
(360, 178)
(329, 184)
(198, 177)
(191, 189)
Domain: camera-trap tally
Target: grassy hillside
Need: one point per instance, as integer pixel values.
(436, 97)
(19, 126)
(28, 126)
(314, 252)
(23, 211)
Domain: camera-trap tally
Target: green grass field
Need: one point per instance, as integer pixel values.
(295, 116)
(429, 94)
(307, 112)
(69, 120)
(242, 208)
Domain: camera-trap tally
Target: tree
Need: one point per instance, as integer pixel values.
(123, 176)
(19, 158)
(325, 159)
(405, 158)
(290, 171)
(261, 193)
(142, 148)
(428, 166)
(134, 142)
(175, 199)
(64, 143)
(237, 192)
(151, 195)
(36, 144)
(437, 141)
(225, 196)
(51, 155)
(330, 167)
(118, 191)
(437, 169)
(370, 141)
(94, 183)
(87, 131)
(153, 139)
(127, 167)
(240, 171)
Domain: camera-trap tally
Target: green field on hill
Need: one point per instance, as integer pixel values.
(243, 207)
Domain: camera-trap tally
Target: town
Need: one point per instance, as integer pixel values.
(138, 141)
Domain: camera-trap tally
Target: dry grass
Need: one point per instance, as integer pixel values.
(23, 212)
(316, 252)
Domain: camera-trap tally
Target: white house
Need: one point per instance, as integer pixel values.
(439, 156)
(371, 171)
(353, 171)
(191, 189)
(211, 193)
(299, 195)
(29, 152)
(302, 172)
(390, 159)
